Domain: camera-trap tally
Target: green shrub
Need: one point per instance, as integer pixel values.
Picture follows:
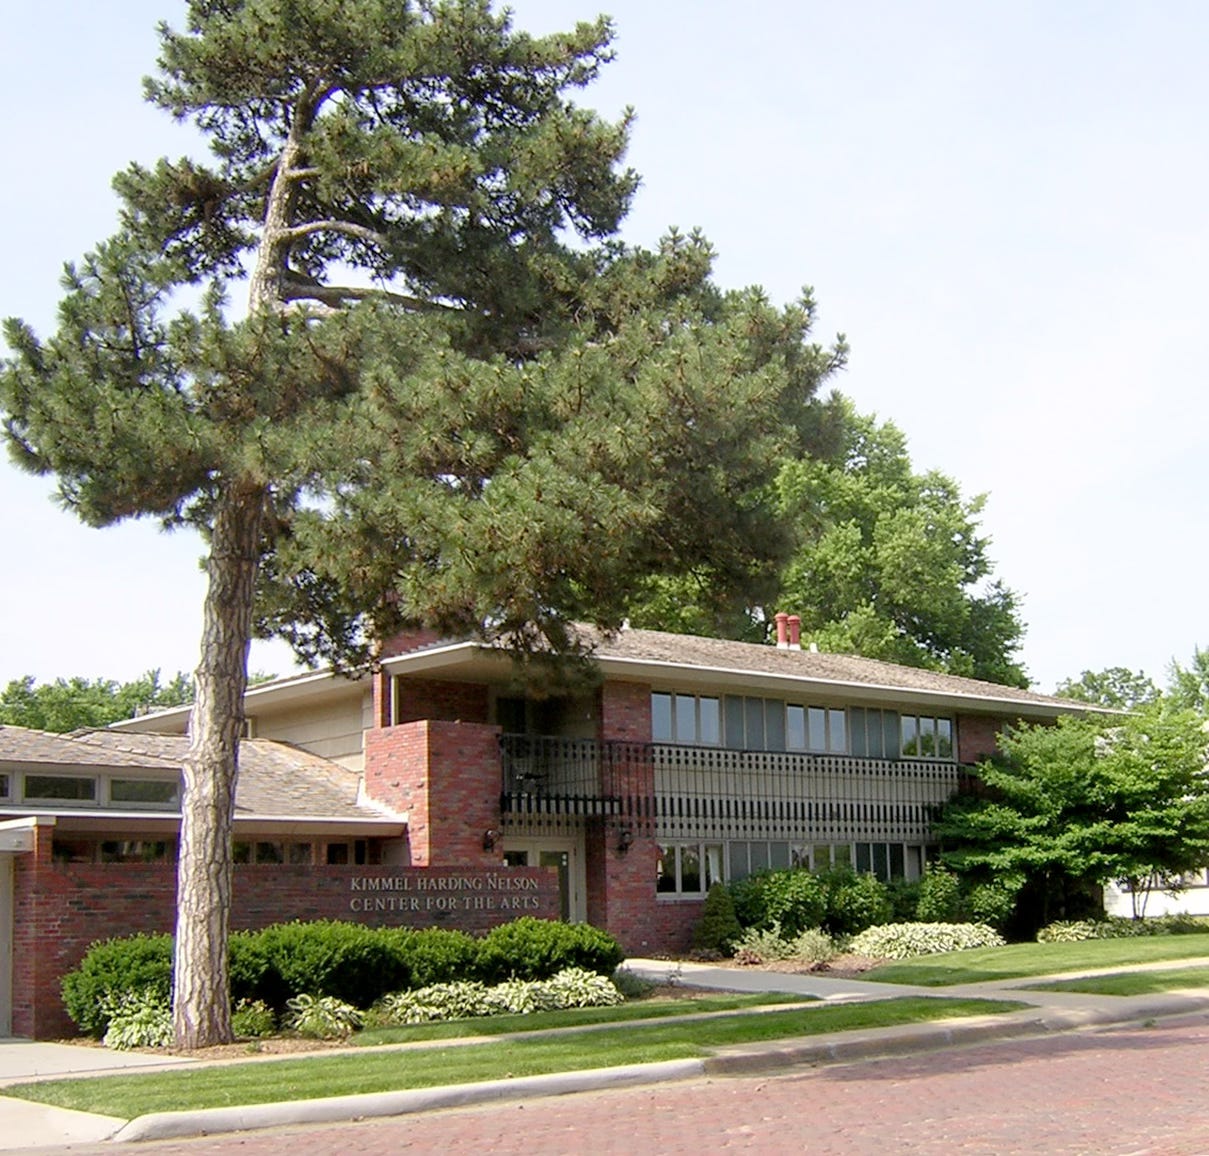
(253, 1017)
(138, 1019)
(813, 945)
(854, 902)
(1120, 927)
(904, 899)
(939, 896)
(718, 927)
(540, 948)
(747, 898)
(992, 903)
(630, 985)
(795, 899)
(762, 945)
(347, 961)
(114, 968)
(906, 940)
(322, 1017)
(433, 955)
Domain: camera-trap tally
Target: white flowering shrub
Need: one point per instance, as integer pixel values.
(770, 945)
(905, 940)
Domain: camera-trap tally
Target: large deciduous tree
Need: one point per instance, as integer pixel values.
(1074, 805)
(453, 398)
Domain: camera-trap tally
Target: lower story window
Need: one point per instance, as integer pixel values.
(688, 868)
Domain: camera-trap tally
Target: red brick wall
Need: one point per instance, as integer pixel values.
(409, 640)
(422, 698)
(625, 712)
(976, 736)
(61, 909)
(447, 776)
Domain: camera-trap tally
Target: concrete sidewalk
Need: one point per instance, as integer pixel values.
(29, 1126)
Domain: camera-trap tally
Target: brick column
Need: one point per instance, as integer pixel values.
(447, 777)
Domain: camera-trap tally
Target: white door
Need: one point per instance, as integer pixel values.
(563, 854)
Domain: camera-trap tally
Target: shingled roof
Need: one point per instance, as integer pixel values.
(723, 654)
(276, 780)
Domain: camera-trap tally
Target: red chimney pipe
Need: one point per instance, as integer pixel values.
(781, 619)
(795, 632)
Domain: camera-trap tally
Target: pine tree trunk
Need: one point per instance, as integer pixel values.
(201, 1011)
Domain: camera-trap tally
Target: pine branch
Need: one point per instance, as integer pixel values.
(346, 228)
(293, 289)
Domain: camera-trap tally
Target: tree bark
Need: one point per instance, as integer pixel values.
(201, 1011)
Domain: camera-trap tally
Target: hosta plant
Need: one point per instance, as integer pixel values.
(139, 1019)
(905, 940)
(322, 1017)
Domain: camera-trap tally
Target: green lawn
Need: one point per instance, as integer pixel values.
(133, 1095)
(1131, 982)
(1028, 959)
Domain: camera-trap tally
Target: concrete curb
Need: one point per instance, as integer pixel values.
(176, 1125)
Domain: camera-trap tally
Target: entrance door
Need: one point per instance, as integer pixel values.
(562, 854)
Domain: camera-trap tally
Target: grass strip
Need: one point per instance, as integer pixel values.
(320, 1076)
(1027, 959)
(1131, 982)
(572, 1018)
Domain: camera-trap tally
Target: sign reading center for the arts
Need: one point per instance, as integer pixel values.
(433, 890)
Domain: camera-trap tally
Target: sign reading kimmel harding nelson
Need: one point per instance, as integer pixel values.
(429, 890)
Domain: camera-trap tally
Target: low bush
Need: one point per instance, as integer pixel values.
(940, 899)
(540, 948)
(571, 988)
(138, 1019)
(322, 1017)
(433, 955)
(906, 940)
(112, 969)
(770, 945)
(854, 902)
(1119, 927)
(254, 1018)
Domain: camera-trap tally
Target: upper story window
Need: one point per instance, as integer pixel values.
(51, 790)
(927, 737)
(685, 718)
(769, 724)
(4, 786)
(145, 792)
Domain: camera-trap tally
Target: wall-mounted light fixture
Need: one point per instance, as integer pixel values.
(489, 838)
(625, 840)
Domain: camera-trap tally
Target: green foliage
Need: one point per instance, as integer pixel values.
(69, 704)
(112, 970)
(1116, 927)
(940, 899)
(904, 899)
(1085, 801)
(718, 926)
(541, 948)
(138, 1019)
(890, 564)
(854, 902)
(1188, 686)
(253, 1017)
(322, 1017)
(907, 940)
(344, 961)
(569, 988)
(770, 945)
(434, 955)
(1114, 687)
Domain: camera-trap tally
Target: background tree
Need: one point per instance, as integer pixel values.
(1083, 802)
(882, 562)
(454, 398)
(1189, 685)
(1113, 687)
(67, 704)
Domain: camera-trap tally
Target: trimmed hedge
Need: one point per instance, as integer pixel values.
(795, 899)
(343, 961)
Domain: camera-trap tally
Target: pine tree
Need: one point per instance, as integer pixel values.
(454, 397)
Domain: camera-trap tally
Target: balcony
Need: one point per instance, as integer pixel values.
(713, 793)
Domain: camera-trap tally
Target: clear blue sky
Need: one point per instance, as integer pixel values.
(1004, 206)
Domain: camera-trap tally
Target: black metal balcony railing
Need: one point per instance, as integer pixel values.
(709, 792)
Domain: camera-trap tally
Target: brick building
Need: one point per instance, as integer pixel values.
(623, 796)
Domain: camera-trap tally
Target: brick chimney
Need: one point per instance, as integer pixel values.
(782, 620)
(795, 632)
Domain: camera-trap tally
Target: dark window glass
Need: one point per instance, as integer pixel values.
(690, 869)
(753, 721)
(156, 792)
(774, 724)
(665, 870)
(856, 727)
(60, 787)
(733, 709)
(337, 854)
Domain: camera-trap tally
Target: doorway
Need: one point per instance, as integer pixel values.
(565, 856)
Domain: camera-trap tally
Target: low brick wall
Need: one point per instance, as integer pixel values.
(61, 909)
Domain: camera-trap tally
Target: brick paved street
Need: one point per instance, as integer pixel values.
(1125, 1092)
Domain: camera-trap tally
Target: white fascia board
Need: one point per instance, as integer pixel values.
(673, 674)
(439, 657)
